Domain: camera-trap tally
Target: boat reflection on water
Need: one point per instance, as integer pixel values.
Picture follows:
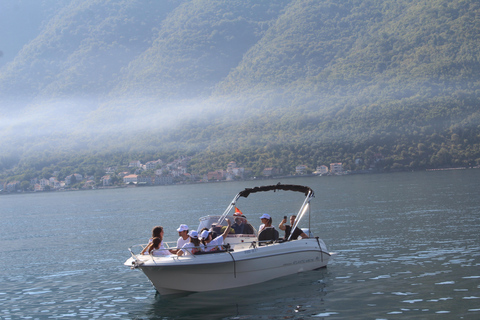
(293, 296)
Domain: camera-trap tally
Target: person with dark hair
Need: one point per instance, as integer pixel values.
(266, 232)
(157, 232)
(241, 226)
(193, 246)
(182, 238)
(211, 244)
(266, 222)
(205, 238)
(238, 226)
(157, 249)
(288, 229)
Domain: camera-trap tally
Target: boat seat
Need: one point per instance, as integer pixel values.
(268, 234)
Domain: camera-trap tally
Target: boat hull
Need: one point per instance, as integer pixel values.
(225, 270)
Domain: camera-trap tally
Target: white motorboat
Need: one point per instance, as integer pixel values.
(244, 259)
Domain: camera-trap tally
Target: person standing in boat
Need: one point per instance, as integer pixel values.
(288, 229)
(193, 246)
(217, 243)
(157, 232)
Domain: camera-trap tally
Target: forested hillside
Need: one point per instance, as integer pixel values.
(395, 83)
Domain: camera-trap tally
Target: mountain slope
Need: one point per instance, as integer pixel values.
(218, 78)
(83, 48)
(197, 46)
(368, 48)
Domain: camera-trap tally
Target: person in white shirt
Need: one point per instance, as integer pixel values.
(217, 243)
(193, 246)
(266, 232)
(182, 239)
(266, 222)
(157, 249)
(157, 232)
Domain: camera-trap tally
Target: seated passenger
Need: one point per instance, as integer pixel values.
(211, 244)
(268, 234)
(241, 226)
(216, 229)
(238, 226)
(266, 222)
(266, 231)
(288, 229)
(157, 232)
(182, 238)
(157, 249)
(205, 238)
(193, 246)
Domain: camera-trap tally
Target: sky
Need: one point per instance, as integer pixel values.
(20, 22)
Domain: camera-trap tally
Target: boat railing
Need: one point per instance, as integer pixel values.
(135, 261)
(131, 249)
(138, 248)
(170, 245)
(247, 240)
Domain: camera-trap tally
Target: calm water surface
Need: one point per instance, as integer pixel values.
(407, 246)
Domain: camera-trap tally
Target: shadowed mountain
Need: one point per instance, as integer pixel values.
(212, 78)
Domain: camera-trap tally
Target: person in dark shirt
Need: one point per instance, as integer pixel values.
(238, 226)
(241, 226)
(288, 229)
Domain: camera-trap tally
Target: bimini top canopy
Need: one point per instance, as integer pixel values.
(287, 187)
(307, 191)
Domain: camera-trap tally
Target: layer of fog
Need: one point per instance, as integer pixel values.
(90, 124)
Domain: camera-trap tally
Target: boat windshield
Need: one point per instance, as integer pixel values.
(240, 225)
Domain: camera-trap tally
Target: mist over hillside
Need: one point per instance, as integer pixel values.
(284, 81)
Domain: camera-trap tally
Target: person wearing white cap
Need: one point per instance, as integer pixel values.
(266, 222)
(193, 246)
(205, 238)
(217, 243)
(183, 237)
(266, 232)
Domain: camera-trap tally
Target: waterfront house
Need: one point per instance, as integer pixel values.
(131, 178)
(268, 172)
(301, 169)
(323, 169)
(135, 164)
(144, 180)
(43, 183)
(106, 180)
(163, 180)
(12, 186)
(150, 165)
(216, 175)
(336, 168)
